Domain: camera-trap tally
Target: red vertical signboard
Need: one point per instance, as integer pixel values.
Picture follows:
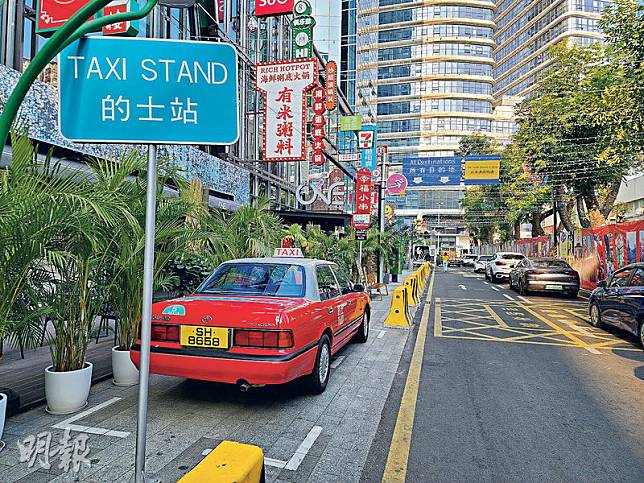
(362, 214)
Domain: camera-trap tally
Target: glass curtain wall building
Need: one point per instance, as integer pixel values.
(527, 28)
(433, 64)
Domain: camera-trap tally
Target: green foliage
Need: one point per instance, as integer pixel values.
(186, 273)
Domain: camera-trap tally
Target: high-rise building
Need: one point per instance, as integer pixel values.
(525, 30)
(433, 65)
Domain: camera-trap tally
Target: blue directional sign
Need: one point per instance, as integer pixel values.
(436, 171)
(133, 90)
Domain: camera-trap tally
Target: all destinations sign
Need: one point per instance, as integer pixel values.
(284, 85)
(132, 90)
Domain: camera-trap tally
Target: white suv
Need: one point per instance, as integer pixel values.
(501, 265)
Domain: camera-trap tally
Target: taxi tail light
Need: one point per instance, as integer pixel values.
(264, 339)
(165, 333)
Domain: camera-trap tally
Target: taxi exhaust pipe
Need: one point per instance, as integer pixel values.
(244, 386)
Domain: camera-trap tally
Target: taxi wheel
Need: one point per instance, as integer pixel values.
(363, 332)
(319, 378)
(642, 334)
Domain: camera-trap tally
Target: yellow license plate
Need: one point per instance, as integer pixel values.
(196, 336)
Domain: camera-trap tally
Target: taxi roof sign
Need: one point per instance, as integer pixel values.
(288, 252)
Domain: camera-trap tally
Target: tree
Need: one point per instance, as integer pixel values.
(582, 125)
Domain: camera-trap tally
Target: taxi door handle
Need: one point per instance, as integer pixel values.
(330, 309)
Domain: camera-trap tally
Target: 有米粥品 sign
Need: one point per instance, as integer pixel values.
(148, 91)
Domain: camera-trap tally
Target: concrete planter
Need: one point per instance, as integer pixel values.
(123, 369)
(67, 392)
(3, 412)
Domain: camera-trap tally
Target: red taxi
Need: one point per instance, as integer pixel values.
(259, 321)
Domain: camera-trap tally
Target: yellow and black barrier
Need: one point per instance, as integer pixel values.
(407, 295)
(230, 462)
(399, 315)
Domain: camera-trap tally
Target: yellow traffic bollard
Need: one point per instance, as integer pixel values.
(398, 313)
(230, 462)
(409, 287)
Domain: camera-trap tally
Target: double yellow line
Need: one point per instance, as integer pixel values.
(396, 467)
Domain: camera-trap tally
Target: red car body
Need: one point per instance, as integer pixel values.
(271, 340)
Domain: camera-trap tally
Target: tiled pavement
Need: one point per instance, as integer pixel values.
(187, 417)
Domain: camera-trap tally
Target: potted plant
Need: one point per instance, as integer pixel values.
(3, 412)
(68, 379)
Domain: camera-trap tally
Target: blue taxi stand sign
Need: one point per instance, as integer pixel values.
(138, 90)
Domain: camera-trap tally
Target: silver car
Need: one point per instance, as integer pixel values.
(480, 264)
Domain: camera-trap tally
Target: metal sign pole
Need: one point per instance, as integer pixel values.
(148, 288)
(360, 260)
(381, 216)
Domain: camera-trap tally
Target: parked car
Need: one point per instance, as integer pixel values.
(480, 264)
(469, 259)
(455, 262)
(619, 301)
(544, 275)
(259, 321)
(499, 267)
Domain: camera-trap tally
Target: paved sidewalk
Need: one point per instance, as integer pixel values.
(188, 418)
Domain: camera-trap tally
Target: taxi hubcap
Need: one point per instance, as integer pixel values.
(365, 325)
(324, 362)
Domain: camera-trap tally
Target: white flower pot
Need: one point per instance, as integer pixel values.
(123, 369)
(67, 392)
(3, 411)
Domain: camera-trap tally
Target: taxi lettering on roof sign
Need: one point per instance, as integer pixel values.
(288, 252)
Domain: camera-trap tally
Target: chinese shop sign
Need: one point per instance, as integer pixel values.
(318, 122)
(331, 78)
(120, 28)
(134, 90)
(267, 8)
(52, 14)
(284, 86)
(337, 176)
(302, 30)
(362, 214)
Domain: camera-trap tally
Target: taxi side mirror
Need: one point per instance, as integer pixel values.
(358, 287)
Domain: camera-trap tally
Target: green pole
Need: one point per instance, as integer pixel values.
(72, 30)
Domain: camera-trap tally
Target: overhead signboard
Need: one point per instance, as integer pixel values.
(482, 169)
(432, 171)
(284, 85)
(350, 123)
(369, 157)
(269, 8)
(318, 123)
(52, 14)
(134, 90)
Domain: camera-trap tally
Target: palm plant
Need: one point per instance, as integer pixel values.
(54, 226)
(251, 231)
(177, 231)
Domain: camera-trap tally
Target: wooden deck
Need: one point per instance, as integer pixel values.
(24, 379)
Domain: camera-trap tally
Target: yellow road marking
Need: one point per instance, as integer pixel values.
(438, 324)
(556, 327)
(396, 467)
(496, 316)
